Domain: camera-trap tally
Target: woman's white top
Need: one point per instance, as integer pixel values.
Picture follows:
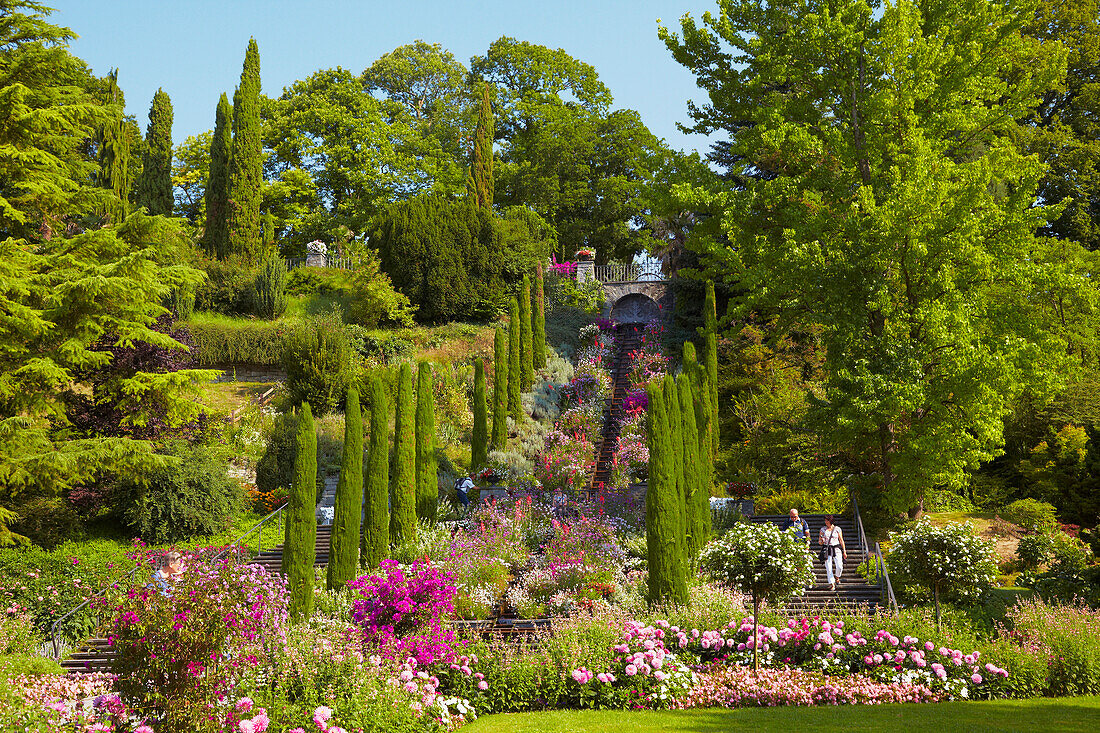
(832, 536)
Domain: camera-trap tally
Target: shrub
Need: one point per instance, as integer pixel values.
(318, 362)
(1035, 550)
(227, 288)
(1066, 635)
(224, 341)
(269, 287)
(383, 346)
(47, 521)
(374, 301)
(1031, 514)
(193, 497)
(950, 561)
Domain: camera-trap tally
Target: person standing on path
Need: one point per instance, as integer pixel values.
(462, 489)
(831, 538)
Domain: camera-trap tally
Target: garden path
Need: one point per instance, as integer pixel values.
(628, 337)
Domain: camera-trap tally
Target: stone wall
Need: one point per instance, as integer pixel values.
(250, 373)
(659, 292)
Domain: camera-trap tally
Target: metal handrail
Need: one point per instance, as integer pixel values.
(258, 527)
(55, 627)
(886, 588)
(622, 272)
(885, 576)
(859, 527)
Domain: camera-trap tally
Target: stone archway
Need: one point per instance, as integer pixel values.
(635, 308)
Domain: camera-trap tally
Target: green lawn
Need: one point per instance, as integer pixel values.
(1067, 715)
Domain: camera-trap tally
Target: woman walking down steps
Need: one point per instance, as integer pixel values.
(831, 538)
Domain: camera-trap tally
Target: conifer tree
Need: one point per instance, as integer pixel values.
(215, 237)
(705, 465)
(376, 511)
(154, 190)
(114, 154)
(246, 161)
(538, 321)
(427, 467)
(479, 449)
(403, 475)
(675, 435)
(299, 546)
(526, 357)
(343, 554)
(500, 390)
(694, 497)
(269, 231)
(515, 375)
(479, 184)
(710, 361)
(667, 577)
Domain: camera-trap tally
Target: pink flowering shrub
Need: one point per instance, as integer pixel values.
(566, 462)
(401, 611)
(177, 653)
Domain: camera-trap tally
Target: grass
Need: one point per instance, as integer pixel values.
(224, 397)
(1067, 715)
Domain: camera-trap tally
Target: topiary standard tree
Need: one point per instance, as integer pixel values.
(762, 561)
(215, 236)
(710, 362)
(500, 390)
(246, 162)
(479, 441)
(154, 187)
(667, 575)
(526, 358)
(299, 545)
(427, 467)
(403, 475)
(343, 554)
(946, 560)
(376, 512)
(538, 321)
(515, 375)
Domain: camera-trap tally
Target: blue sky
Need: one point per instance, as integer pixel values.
(194, 48)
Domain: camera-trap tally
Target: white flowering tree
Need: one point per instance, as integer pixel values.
(948, 559)
(762, 561)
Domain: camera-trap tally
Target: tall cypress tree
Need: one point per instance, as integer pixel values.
(215, 237)
(427, 466)
(500, 390)
(667, 577)
(704, 469)
(693, 489)
(114, 153)
(675, 435)
(479, 184)
(299, 547)
(479, 448)
(269, 231)
(343, 553)
(376, 512)
(154, 190)
(403, 475)
(515, 375)
(246, 162)
(710, 360)
(538, 321)
(526, 358)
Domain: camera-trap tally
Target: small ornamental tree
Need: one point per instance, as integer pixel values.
(479, 442)
(515, 374)
(526, 359)
(343, 554)
(403, 475)
(538, 321)
(949, 560)
(299, 547)
(667, 575)
(760, 560)
(500, 390)
(427, 467)
(376, 511)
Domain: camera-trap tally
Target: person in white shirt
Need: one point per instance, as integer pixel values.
(832, 540)
(462, 490)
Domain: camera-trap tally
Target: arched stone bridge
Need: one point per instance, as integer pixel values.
(632, 293)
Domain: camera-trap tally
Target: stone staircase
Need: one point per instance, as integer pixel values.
(853, 591)
(628, 337)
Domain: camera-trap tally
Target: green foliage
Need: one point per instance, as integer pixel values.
(479, 186)
(1035, 550)
(1059, 470)
(760, 560)
(515, 372)
(318, 362)
(246, 161)
(1031, 514)
(374, 301)
(500, 390)
(47, 521)
(228, 288)
(114, 154)
(696, 491)
(710, 361)
(923, 354)
(479, 439)
(950, 561)
(227, 341)
(193, 496)
(526, 357)
(269, 288)
(376, 511)
(664, 529)
(403, 475)
(343, 555)
(538, 320)
(1066, 636)
(275, 469)
(215, 237)
(427, 472)
(154, 186)
(299, 546)
(676, 439)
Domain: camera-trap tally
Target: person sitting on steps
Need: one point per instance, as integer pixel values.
(831, 538)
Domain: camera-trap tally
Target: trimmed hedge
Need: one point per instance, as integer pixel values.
(237, 342)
